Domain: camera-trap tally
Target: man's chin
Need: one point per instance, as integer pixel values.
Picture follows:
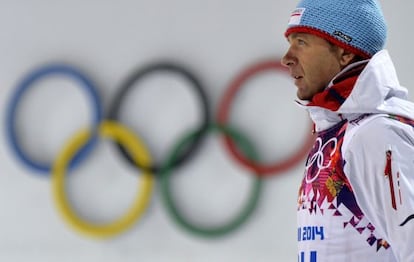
(302, 96)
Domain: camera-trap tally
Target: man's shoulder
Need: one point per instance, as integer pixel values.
(381, 124)
(379, 130)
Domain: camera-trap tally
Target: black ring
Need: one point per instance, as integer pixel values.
(135, 77)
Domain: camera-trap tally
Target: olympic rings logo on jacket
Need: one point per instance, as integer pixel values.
(134, 150)
(318, 157)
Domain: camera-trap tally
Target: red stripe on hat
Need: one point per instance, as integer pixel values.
(333, 40)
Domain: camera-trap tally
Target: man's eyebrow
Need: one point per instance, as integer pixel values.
(296, 35)
(292, 36)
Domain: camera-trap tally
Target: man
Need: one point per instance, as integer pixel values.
(356, 200)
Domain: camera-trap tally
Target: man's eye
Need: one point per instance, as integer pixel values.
(301, 42)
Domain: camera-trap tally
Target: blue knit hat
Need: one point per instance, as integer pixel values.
(356, 25)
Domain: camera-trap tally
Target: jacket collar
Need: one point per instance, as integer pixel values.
(339, 89)
(375, 89)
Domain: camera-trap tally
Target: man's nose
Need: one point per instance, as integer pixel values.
(288, 59)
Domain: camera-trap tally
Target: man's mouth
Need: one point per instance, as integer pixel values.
(298, 80)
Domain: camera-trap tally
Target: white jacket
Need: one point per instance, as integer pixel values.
(351, 203)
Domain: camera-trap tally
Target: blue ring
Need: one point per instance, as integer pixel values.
(23, 86)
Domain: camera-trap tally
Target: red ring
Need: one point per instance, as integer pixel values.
(223, 116)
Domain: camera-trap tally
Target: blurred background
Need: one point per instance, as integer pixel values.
(107, 41)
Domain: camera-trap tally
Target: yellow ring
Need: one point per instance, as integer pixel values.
(135, 147)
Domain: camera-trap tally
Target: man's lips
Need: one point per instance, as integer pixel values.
(297, 77)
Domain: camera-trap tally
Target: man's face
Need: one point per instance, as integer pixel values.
(312, 62)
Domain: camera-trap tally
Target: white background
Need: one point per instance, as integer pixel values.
(107, 40)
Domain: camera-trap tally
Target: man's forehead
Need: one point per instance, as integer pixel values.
(295, 35)
(305, 36)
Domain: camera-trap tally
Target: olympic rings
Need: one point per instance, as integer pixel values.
(23, 86)
(154, 68)
(77, 148)
(223, 116)
(172, 206)
(140, 154)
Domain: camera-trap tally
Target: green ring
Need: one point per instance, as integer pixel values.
(168, 199)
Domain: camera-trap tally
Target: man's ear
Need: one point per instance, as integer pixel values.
(346, 57)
